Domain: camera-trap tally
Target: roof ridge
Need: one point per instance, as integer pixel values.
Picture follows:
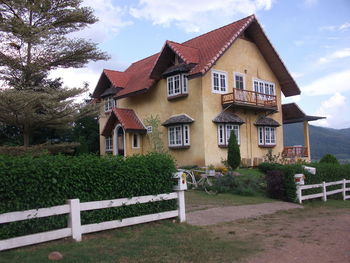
(216, 29)
(182, 44)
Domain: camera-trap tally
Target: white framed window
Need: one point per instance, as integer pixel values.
(109, 104)
(224, 132)
(109, 144)
(149, 129)
(266, 135)
(219, 81)
(135, 140)
(177, 85)
(266, 88)
(239, 81)
(179, 135)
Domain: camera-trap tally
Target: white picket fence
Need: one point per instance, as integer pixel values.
(324, 192)
(74, 208)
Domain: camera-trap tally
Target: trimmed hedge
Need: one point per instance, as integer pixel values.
(37, 182)
(284, 188)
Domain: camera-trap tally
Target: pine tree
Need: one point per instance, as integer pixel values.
(233, 153)
(36, 38)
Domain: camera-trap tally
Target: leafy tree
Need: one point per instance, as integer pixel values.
(34, 41)
(233, 153)
(86, 132)
(329, 158)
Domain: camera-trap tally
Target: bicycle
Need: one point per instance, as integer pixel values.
(204, 182)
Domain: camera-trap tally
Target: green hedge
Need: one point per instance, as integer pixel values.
(325, 172)
(37, 182)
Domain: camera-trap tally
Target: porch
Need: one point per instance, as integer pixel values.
(249, 99)
(293, 114)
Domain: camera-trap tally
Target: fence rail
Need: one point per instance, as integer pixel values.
(74, 209)
(324, 192)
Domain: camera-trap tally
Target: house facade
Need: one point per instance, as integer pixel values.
(196, 93)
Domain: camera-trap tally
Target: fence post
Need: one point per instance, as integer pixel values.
(299, 194)
(74, 219)
(344, 189)
(181, 205)
(324, 198)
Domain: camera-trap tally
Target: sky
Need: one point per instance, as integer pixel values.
(311, 36)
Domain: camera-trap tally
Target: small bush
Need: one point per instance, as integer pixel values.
(233, 153)
(274, 182)
(265, 167)
(329, 158)
(242, 185)
(40, 149)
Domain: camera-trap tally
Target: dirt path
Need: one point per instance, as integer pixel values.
(218, 215)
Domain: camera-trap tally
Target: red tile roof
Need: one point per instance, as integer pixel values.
(203, 51)
(127, 118)
(117, 78)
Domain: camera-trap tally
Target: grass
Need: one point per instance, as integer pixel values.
(163, 241)
(196, 200)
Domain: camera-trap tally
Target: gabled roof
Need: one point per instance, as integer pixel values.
(127, 118)
(178, 119)
(201, 53)
(108, 77)
(266, 121)
(291, 113)
(227, 117)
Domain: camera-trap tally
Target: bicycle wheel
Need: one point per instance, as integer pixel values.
(209, 187)
(191, 180)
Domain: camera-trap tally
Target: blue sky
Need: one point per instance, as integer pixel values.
(311, 36)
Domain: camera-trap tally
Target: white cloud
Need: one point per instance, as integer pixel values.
(342, 27)
(334, 110)
(343, 53)
(297, 75)
(293, 99)
(196, 15)
(329, 84)
(111, 20)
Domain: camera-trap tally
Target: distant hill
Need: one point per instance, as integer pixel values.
(322, 140)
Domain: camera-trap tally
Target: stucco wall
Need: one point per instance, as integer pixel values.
(243, 57)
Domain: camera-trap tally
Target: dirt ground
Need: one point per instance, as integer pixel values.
(317, 234)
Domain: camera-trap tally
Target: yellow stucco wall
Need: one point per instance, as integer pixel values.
(245, 58)
(203, 106)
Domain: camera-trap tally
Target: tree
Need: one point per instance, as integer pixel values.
(233, 153)
(329, 158)
(86, 132)
(28, 110)
(35, 39)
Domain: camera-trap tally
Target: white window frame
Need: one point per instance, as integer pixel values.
(179, 135)
(238, 74)
(219, 87)
(109, 144)
(138, 145)
(182, 88)
(264, 87)
(224, 133)
(110, 103)
(149, 129)
(267, 136)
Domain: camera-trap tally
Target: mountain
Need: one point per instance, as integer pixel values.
(322, 140)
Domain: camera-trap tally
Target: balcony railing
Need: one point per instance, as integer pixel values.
(295, 151)
(249, 98)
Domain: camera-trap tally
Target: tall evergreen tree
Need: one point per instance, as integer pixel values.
(36, 37)
(233, 152)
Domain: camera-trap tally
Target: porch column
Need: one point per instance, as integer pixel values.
(307, 139)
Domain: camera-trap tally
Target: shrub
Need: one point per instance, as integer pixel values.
(233, 153)
(36, 182)
(329, 158)
(40, 149)
(265, 167)
(243, 185)
(274, 182)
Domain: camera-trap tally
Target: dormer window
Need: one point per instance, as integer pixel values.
(177, 86)
(109, 103)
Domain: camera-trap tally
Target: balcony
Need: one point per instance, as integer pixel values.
(250, 99)
(295, 152)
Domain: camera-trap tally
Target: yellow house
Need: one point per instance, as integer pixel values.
(228, 79)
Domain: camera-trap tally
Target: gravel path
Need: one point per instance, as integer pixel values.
(218, 215)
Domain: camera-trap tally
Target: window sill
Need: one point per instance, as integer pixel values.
(219, 92)
(226, 145)
(179, 147)
(267, 146)
(174, 97)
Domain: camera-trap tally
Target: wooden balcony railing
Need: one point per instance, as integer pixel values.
(247, 97)
(295, 151)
